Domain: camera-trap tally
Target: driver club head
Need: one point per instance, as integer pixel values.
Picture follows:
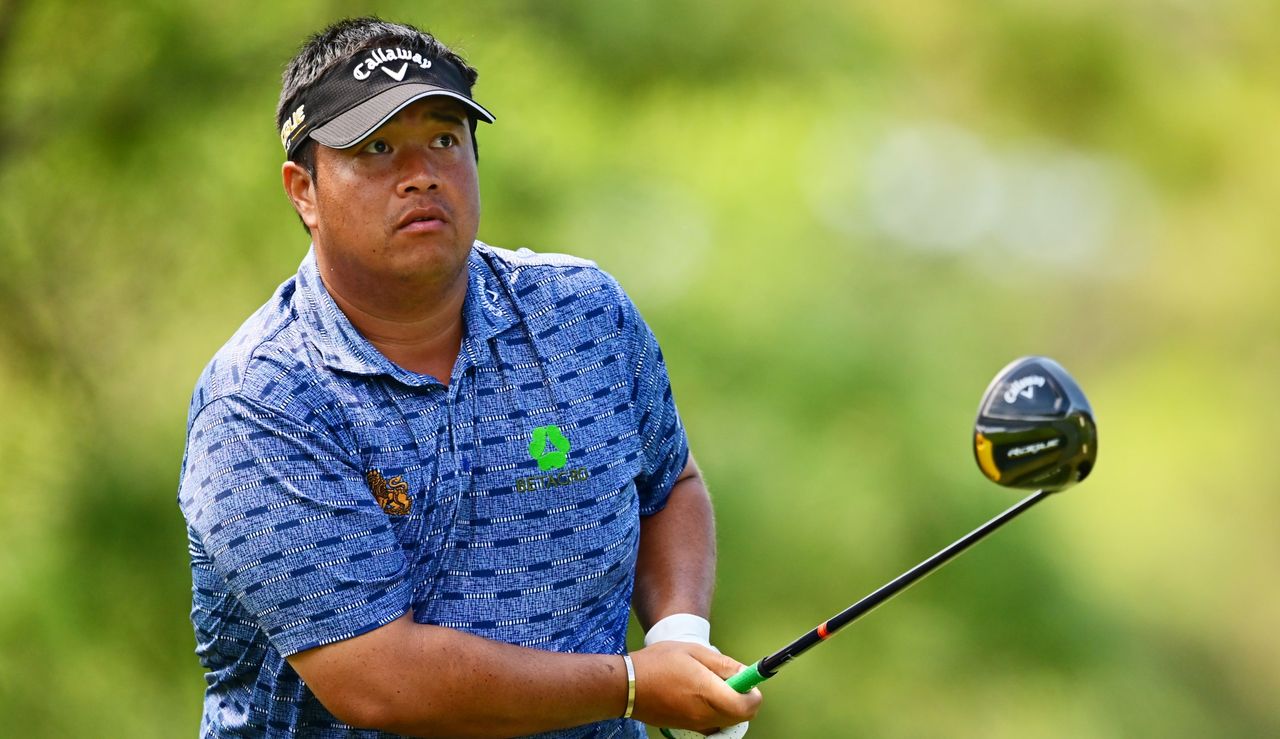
(1035, 429)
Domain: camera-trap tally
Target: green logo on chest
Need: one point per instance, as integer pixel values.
(552, 458)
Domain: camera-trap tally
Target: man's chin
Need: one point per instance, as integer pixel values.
(424, 260)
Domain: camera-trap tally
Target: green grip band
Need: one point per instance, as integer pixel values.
(747, 679)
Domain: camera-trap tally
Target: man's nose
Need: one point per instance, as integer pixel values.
(418, 173)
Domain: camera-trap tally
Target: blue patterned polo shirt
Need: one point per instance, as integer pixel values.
(327, 491)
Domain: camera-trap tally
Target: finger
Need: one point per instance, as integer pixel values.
(722, 665)
(739, 706)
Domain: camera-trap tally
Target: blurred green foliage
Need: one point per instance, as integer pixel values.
(840, 218)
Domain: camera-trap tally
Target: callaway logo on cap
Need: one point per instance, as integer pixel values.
(358, 95)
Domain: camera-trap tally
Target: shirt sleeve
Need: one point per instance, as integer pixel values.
(664, 447)
(285, 516)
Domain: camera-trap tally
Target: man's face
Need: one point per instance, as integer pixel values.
(400, 207)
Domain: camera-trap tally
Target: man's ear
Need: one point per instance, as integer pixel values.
(300, 186)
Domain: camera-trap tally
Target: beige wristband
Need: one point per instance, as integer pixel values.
(631, 686)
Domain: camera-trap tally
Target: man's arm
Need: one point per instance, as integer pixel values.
(676, 566)
(421, 680)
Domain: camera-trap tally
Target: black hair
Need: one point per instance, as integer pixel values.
(341, 40)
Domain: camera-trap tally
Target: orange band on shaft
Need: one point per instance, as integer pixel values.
(822, 631)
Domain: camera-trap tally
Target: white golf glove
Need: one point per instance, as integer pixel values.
(687, 627)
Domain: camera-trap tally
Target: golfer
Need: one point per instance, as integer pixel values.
(426, 483)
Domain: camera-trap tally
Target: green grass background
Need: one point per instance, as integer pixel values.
(790, 193)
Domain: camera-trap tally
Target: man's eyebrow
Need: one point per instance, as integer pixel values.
(445, 117)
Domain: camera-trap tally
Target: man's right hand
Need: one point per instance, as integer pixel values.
(682, 685)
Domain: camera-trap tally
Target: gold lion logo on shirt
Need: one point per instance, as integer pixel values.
(392, 495)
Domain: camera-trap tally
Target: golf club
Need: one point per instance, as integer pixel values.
(1035, 430)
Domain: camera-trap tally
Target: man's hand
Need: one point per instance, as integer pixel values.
(686, 627)
(682, 685)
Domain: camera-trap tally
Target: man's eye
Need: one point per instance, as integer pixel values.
(445, 141)
(377, 146)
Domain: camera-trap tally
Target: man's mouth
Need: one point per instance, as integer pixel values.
(422, 220)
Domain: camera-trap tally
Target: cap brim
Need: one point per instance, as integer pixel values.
(349, 128)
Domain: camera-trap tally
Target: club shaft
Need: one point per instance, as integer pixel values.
(767, 667)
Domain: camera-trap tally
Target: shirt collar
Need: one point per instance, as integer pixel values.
(488, 309)
(486, 312)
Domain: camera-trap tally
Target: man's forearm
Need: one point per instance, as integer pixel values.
(675, 570)
(419, 680)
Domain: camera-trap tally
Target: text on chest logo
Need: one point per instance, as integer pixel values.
(549, 447)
